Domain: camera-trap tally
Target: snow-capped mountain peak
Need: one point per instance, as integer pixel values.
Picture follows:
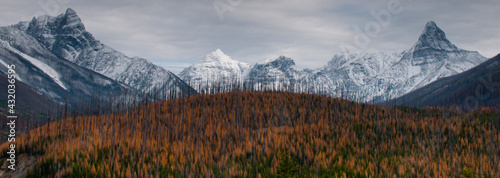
(265, 61)
(65, 36)
(47, 24)
(281, 62)
(218, 55)
(48, 74)
(368, 75)
(72, 19)
(214, 67)
(432, 57)
(70, 11)
(279, 73)
(432, 47)
(435, 38)
(219, 59)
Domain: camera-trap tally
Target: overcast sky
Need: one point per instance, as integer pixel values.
(175, 34)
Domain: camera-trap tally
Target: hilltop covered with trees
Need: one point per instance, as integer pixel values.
(261, 134)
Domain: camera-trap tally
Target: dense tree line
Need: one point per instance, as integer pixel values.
(260, 134)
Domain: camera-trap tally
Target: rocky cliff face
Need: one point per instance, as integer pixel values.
(432, 57)
(65, 36)
(363, 76)
(280, 73)
(50, 75)
(215, 67)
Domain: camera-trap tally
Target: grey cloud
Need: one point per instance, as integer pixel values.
(176, 33)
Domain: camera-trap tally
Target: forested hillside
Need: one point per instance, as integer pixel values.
(262, 134)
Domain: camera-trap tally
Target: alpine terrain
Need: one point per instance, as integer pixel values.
(215, 67)
(468, 90)
(48, 74)
(431, 58)
(65, 36)
(376, 76)
(280, 73)
(365, 76)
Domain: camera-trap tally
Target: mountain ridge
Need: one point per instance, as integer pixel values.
(215, 66)
(432, 57)
(369, 76)
(475, 87)
(65, 35)
(50, 75)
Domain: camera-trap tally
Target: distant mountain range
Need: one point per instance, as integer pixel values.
(60, 60)
(48, 74)
(369, 76)
(431, 58)
(66, 37)
(479, 86)
(275, 74)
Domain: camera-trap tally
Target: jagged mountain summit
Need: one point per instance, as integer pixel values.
(214, 67)
(65, 36)
(368, 76)
(377, 76)
(50, 75)
(351, 73)
(467, 90)
(280, 73)
(432, 57)
(432, 38)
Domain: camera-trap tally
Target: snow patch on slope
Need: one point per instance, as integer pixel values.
(40, 65)
(7, 66)
(214, 67)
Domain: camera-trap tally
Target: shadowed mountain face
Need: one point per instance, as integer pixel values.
(369, 76)
(65, 36)
(49, 75)
(278, 73)
(479, 86)
(26, 98)
(377, 76)
(432, 46)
